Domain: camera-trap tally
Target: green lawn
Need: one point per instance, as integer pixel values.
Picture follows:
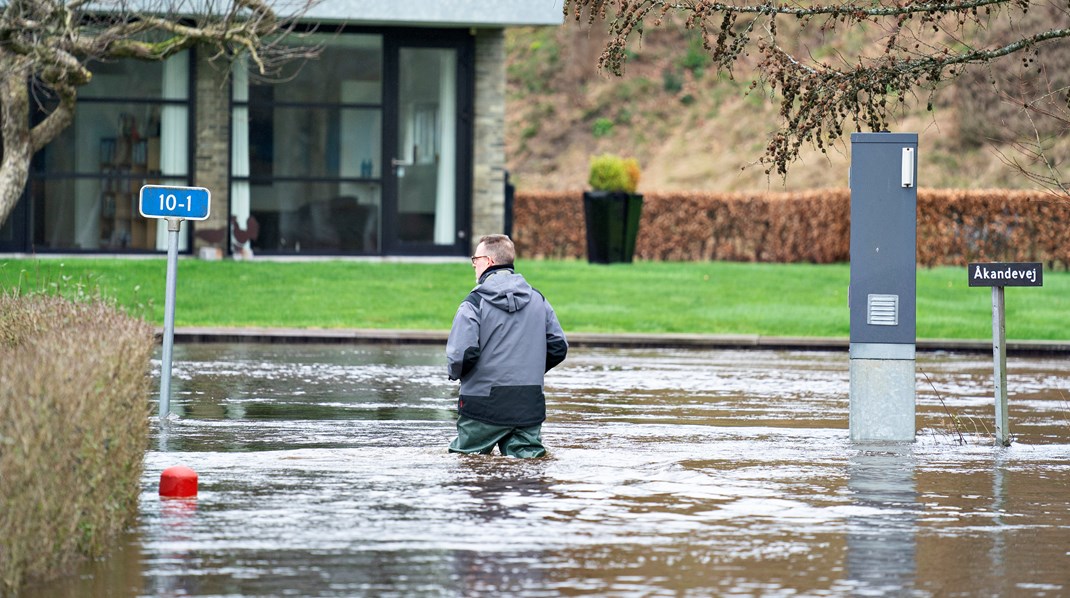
(709, 298)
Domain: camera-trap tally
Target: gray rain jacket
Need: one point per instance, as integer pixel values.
(505, 336)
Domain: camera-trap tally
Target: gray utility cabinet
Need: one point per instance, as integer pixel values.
(883, 289)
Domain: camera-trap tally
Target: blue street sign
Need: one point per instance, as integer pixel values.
(186, 203)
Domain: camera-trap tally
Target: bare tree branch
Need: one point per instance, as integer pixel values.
(53, 42)
(909, 49)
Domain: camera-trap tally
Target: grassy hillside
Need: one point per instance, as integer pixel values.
(694, 129)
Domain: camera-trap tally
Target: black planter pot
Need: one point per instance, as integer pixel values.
(612, 219)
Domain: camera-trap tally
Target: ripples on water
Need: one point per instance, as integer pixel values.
(323, 472)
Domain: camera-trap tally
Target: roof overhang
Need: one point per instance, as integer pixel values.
(438, 13)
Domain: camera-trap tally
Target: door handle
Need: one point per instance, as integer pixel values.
(399, 166)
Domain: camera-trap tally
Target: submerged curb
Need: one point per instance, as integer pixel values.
(628, 340)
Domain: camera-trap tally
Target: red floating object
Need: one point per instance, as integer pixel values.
(178, 481)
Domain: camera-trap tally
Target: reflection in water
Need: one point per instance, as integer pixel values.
(177, 519)
(323, 472)
(881, 538)
(997, 556)
(500, 494)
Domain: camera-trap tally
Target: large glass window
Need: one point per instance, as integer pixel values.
(130, 128)
(306, 151)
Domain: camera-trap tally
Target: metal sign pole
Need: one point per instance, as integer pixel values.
(999, 355)
(173, 227)
(174, 204)
(999, 275)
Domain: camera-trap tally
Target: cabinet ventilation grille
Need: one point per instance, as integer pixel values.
(883, 310)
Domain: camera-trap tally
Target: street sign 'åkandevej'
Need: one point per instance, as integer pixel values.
(998, 275)
(1006, 274)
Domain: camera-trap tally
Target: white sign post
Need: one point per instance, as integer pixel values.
(174, 204)
(998, 275)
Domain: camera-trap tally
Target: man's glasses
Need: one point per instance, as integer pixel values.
(476, 257)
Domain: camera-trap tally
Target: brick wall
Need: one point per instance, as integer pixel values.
(488, 183)
(212, 146)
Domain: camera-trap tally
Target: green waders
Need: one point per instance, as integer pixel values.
(478, 437)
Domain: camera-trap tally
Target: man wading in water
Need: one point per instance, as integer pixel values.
(505, 337)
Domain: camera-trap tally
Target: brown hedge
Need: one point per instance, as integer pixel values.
(954, 226)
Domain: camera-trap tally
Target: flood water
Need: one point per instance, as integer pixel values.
(324, 472)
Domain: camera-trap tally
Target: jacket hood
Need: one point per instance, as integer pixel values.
(505, 289)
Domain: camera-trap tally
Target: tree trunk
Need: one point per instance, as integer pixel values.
(20, 142)
(15, 123)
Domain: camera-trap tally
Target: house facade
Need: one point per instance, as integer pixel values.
(389, 142)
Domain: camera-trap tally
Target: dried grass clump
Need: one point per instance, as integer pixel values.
(73, 430)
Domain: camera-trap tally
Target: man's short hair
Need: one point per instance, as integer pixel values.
(500, 248)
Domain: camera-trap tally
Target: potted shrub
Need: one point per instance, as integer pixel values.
(611, 209)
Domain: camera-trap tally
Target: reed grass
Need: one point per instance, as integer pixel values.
(73, 428)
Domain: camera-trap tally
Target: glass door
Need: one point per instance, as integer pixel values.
(425, 207)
